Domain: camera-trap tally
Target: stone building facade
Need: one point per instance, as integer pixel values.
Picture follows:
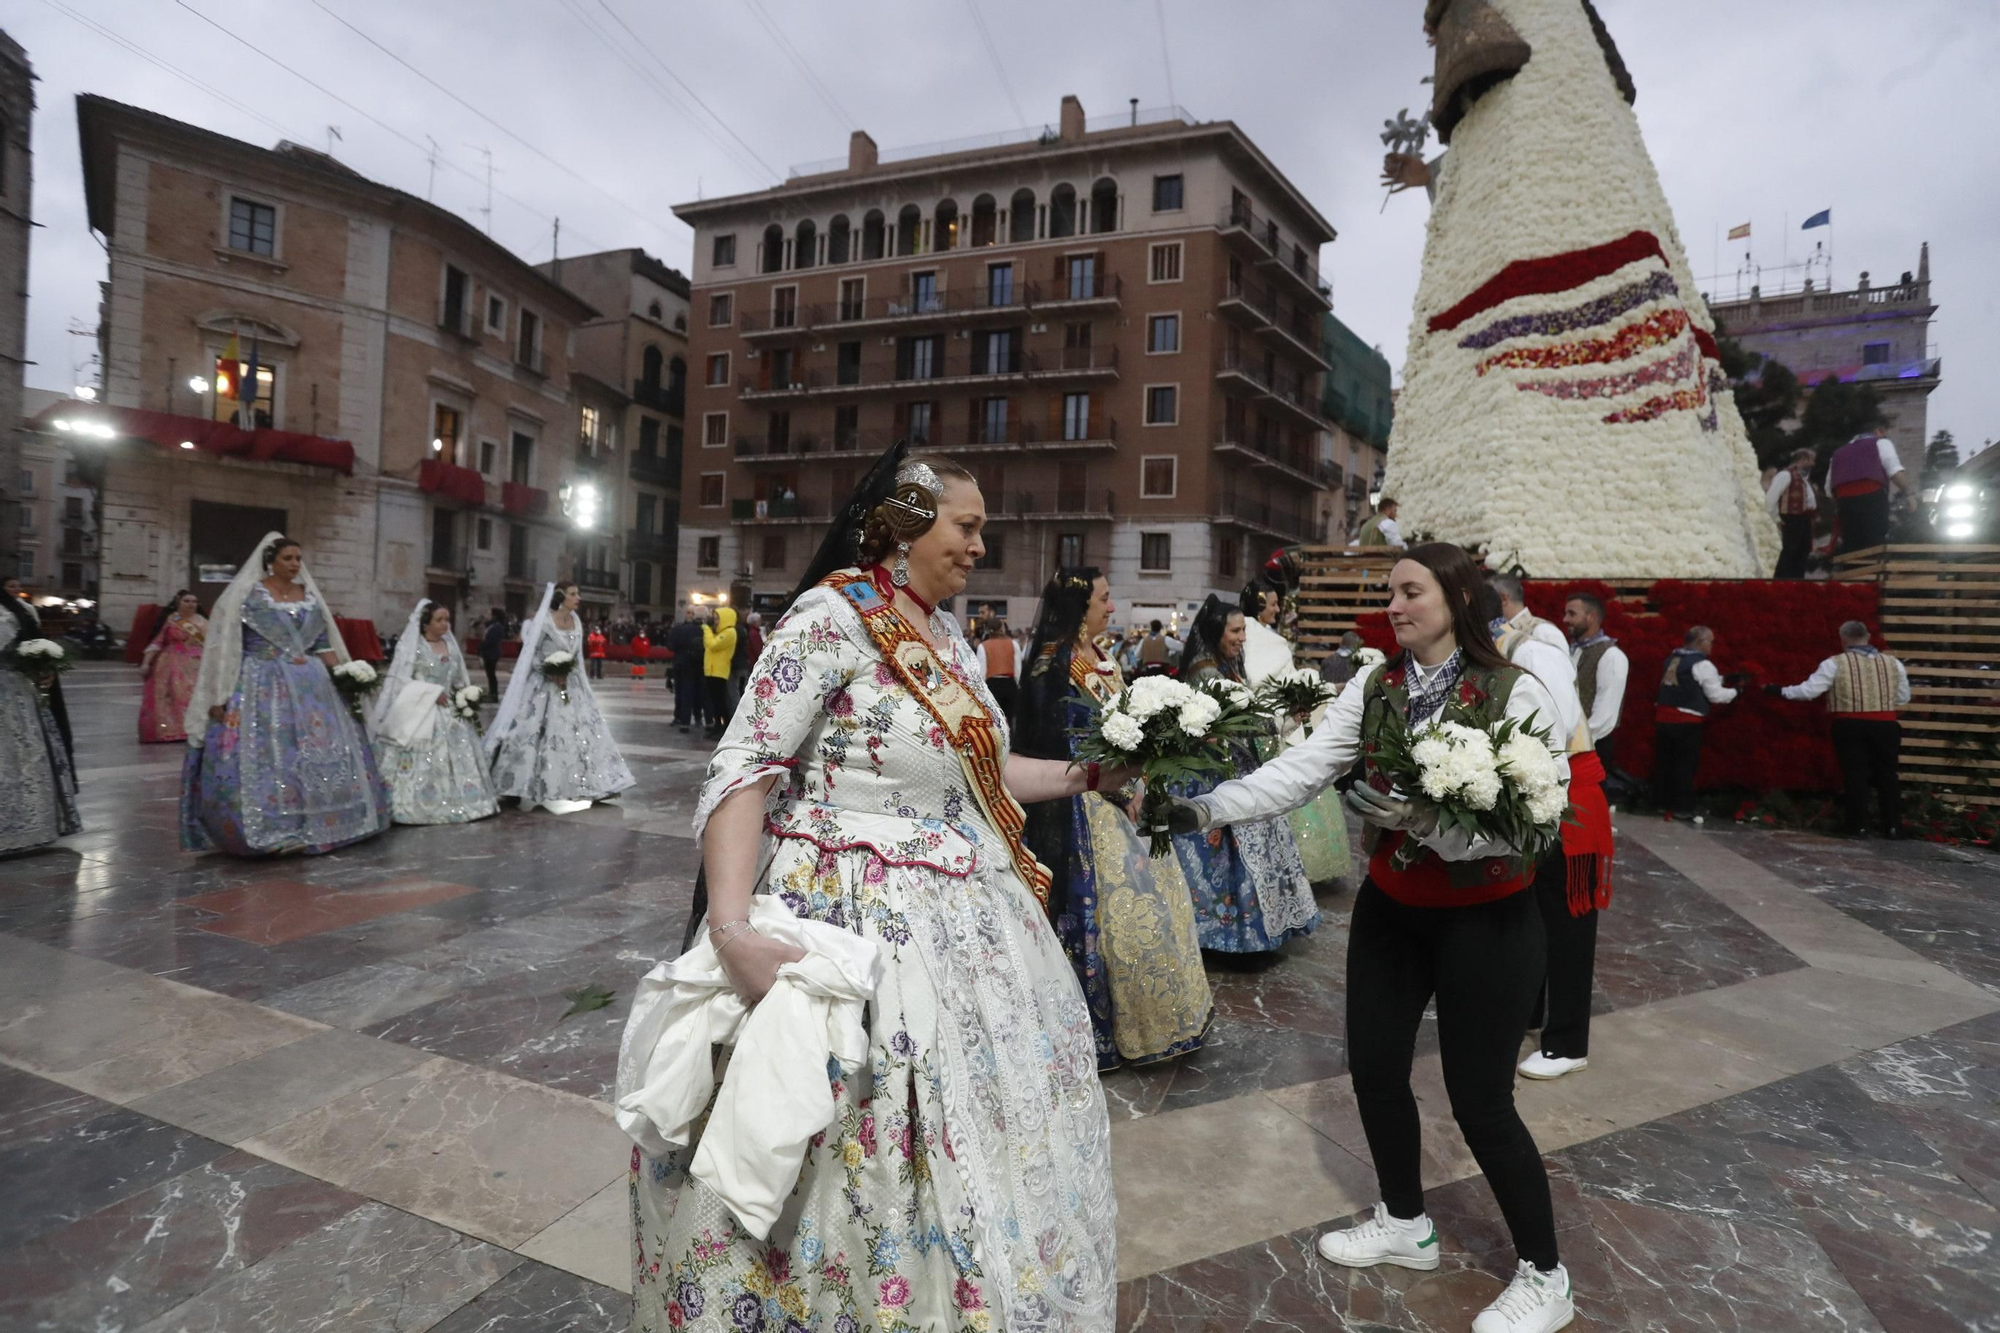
(638, 343)
(1875, 333)
(17, 181)
(1357, 400)
(412, 412)
(1116, 326)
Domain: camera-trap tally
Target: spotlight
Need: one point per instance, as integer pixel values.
(86, 392)
(198, 384)
(187, 444)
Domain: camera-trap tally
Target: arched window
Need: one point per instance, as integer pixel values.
(837, 240)
(985, 220)
(874, 234)
(1104, 206)
(655, 311)
(649, 374)
(944, 233)
(677, 378)
(1062, 211)
(909, 229)
(772, 259)
(805, 245)
(1021, 216)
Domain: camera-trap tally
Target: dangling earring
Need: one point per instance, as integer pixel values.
(899, 573)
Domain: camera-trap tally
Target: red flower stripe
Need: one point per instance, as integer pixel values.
(1655, 330)
(1706, 341)
(1680, 400)
(1551, 273)
(1677, 367)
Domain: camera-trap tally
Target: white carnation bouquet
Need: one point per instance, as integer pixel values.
(38, 659)
(1296, 692)
(557, 666)
(465, 702)
(356, 681)
(1485, 778)
(1173, 731)
(1368, 657)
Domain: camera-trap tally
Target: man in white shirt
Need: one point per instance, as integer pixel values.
(1601, 671)
(1792, 500)
(1867, 688)
(1863, 474)
(1380, 528)
(1689, 687)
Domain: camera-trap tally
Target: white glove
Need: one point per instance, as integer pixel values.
(1184, 816)
(1392, 812)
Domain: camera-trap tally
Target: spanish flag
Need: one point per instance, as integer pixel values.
(1739, 233)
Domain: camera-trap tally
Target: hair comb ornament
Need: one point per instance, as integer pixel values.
(917, 474)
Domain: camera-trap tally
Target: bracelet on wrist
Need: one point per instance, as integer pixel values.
(1093, 774)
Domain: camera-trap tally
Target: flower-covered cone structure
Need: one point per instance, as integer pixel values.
(1563, 403)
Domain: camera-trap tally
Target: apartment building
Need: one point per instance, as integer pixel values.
(17, 161)
(55, 508)
(638, 346)
(1115, 324)
(288, 344)
(1357, 400)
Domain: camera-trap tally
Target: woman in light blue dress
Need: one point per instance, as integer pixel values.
(277, 763)
(430, 756)
(548, 745)
(1250, 888)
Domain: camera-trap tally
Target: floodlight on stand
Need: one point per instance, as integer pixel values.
(1958, 490)
(65, 425)
(1960, 531)
(197, 384)
(1959, 511)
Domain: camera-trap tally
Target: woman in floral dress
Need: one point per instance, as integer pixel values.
(964, 1185)
(171, 664)
(1125, 918)
(430, 756)
(1250, 888)
(40, 805)
(276, 762)
(548, 744)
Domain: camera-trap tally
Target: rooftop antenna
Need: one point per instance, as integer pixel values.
(332, 133)
(1135, 109)
(430, 182)
(486, 212)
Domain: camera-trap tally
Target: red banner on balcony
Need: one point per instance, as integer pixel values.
(523, 500)
(167, 430)
(451, 481)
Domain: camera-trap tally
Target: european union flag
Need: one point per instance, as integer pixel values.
(1823, 218)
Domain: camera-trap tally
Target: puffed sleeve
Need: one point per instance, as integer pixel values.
(813, 653)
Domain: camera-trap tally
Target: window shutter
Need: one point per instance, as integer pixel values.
(1056, 417)
(1095, 428)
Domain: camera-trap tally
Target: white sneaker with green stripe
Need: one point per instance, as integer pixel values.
(1383, 1239)
(1534, 1302)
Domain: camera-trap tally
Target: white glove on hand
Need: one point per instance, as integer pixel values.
(1392, 812)
(1183, 815)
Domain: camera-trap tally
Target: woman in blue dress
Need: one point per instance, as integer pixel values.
(276, 762)
(1125, 920)
(1250, 888)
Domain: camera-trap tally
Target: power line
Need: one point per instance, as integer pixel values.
(690, 91)
(799, 63)
(986, 36)
(174, 70)
(554, 162)
(1166, 61)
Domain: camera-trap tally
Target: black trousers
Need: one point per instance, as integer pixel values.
(1005, 694)
(1563, 1012)
(688, 708)
(1797, 530)
(1868, 750)
(492, 665)
(1676, 756)
(1864, 520)
(1484, 964)
(718, 702)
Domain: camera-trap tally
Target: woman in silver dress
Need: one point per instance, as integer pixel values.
(548, 744)
(34, 752)
(428, 753)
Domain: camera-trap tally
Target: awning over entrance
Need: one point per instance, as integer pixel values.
(169, 431)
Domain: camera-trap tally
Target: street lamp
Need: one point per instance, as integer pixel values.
(197, 384)
(86, 392)
(580, 501)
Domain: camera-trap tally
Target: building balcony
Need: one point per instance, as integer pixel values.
(1082, 291)
(597, 580)
(660, 398)
(647, 545)
(1286, 461)
(1258, 309)
(449, 559)
(1274, 252)
(653, 469)
(1086, 504)
(449, 481)
(1239, 373)
(954, 368)
(523, 501)
(1265, 517)
(1018, 435)
(795, 445)
(1074, 363)
(785, 509)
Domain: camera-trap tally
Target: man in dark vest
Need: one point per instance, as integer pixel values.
(1156, 652)
(1860, 477)
(1791, 498)
(1865, 687)
(489, 651)
(1689, 688)
(1601, 671)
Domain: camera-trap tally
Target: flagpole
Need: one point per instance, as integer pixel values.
(1785, 245)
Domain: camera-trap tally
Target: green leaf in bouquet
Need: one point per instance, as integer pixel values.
(587, 998)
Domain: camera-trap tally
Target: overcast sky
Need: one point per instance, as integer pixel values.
(1753, 110)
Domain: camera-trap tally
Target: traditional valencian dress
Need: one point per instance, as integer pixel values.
(1251, 893)
(175, 657)
(287, 769)
(1125, 918)
(559, 748)
(965, 1183)
(40, 804)
(1320, 825)
(436, 773)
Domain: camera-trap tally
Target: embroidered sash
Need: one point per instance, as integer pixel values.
(966, 721)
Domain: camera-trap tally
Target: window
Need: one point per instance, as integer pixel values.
(1227, 556)
(918, 417)
(784, 307)
(656, 312)
(1156, 552)
(999, 284)
(483, 533)
(1163, 334)
(774, 550)
(1076, 416)
(919, 358)
(722, 253)
(847, 363)
(1156, 477)
(446, 427)
(721, 310)
(1875, 354)
(72, 576)
(590, 422)
(711, 490)
(1167, 194)
(489, 456)
(261, 411)
(1162, 404)
(1081, 270)
(649, 437)
(253, 227)
(778, 369)
(521, 470)
(24, 562)
(853, 297)
(496, 315)
(674, 442)
(708, 553)
(924, 298)
(642, 582)
(454, 302)
(718, 369)
(846, 428)
(714, 430)
(1164, 262)
(529, 353)
(996, 353)
(778, 434)
(27, 481)
(26, 516)
(1069, 549)
(994, 556)
(993, 421)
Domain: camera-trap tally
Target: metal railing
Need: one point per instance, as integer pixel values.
(1275, 247)
(652, 468)
(1047, 134)
(1018, 296)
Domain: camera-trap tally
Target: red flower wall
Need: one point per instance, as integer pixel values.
(1776, 632)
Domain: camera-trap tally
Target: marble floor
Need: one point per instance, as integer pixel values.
(341, 1093)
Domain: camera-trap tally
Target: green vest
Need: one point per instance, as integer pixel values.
(1586, 674)
(1382, 694)
(1371, 532)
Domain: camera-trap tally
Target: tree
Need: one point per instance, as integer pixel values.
(1940, 458)
(1767, 394)
(1835, 413)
